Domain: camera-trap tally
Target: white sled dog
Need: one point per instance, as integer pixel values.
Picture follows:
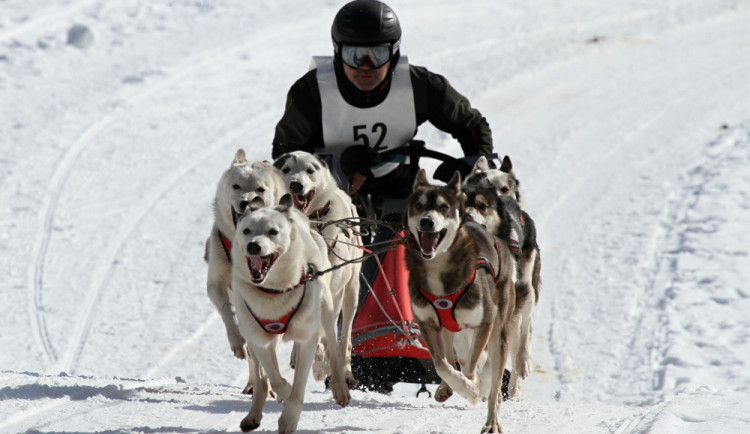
(460, 278)
(242, 182)
(316, 193)
(281, 290)
(494, 200)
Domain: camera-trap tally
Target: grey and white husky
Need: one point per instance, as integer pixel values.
(461, 279)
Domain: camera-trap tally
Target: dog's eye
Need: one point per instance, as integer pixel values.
(246, 231)
(443, 207)
(273, 232)
(260, 190)
(418, 206)
(504, 190)
(310, 171)
(236, 186)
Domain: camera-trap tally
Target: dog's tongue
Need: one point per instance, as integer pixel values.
(256, 262)
(300, 202)
(429, 241)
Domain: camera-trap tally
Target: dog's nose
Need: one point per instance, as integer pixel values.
(426, 225)
(295, 187)
(243, 205)
(253, 248)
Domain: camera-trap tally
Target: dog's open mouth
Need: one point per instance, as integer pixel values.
(429, 241)
(302, 201)
(259, 266)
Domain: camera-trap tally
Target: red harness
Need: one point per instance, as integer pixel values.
(278, 326)
(445, 305)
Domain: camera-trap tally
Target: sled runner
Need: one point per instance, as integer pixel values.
(386, 344)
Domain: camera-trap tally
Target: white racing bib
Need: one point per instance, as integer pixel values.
(390, 124)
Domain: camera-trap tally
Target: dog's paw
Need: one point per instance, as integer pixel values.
(248, 390)
(237, 345)
(249, 424)
(492, 427)
(351, 382)
(341, 395)
(321, 366)
(525, 367)
(443, 392)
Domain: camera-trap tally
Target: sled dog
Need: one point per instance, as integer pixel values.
(502, 216)
(460, 278)
(315, 193)
(242, 182)
(503, 180)
(280, 294)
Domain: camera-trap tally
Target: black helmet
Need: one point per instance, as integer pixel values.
(366, 22)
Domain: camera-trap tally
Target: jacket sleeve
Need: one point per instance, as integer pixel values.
(300, 126)
(443, 106)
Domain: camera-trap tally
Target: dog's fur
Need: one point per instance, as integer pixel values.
(503, 180)
(491, 201)
(313, 188)
(242, 182)
(274, 256)
(443, 256)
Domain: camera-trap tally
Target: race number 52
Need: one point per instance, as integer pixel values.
(378, 130)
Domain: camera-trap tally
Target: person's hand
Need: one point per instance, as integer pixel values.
(356, 182)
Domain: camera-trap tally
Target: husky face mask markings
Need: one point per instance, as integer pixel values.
(433, 218)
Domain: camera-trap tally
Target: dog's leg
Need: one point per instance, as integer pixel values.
(444, 391)
(253, 418)
(498, 353)
(348, 310)
(293, 403)
(447, 372)
(339, 388)
(266, 356)
(217, 286)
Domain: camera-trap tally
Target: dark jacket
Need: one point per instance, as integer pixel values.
(435, 100)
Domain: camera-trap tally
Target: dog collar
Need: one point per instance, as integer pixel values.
(307, 274)
(278, 326)
(320, 213)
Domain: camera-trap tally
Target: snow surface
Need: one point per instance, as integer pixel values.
(628, 122)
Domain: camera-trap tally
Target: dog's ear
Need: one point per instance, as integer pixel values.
(421, 181)
(455, 182)
(481, 165)
(279, 162)
(255, 204)
(286, 201)
(239, 157)
(506, 166)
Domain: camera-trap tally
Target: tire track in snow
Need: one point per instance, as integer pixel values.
(94, 291)
(59, 17)
(53, 192)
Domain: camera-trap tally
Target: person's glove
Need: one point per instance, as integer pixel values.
(359, 159)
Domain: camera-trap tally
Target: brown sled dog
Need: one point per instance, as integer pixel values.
(461, 279)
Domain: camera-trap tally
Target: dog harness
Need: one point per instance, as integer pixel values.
(445, 305)
(322, 212)
(278, 326)
(227, 244)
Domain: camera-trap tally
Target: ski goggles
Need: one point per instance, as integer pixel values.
(374, 55)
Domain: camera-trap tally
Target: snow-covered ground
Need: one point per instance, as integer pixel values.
(628, 122)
